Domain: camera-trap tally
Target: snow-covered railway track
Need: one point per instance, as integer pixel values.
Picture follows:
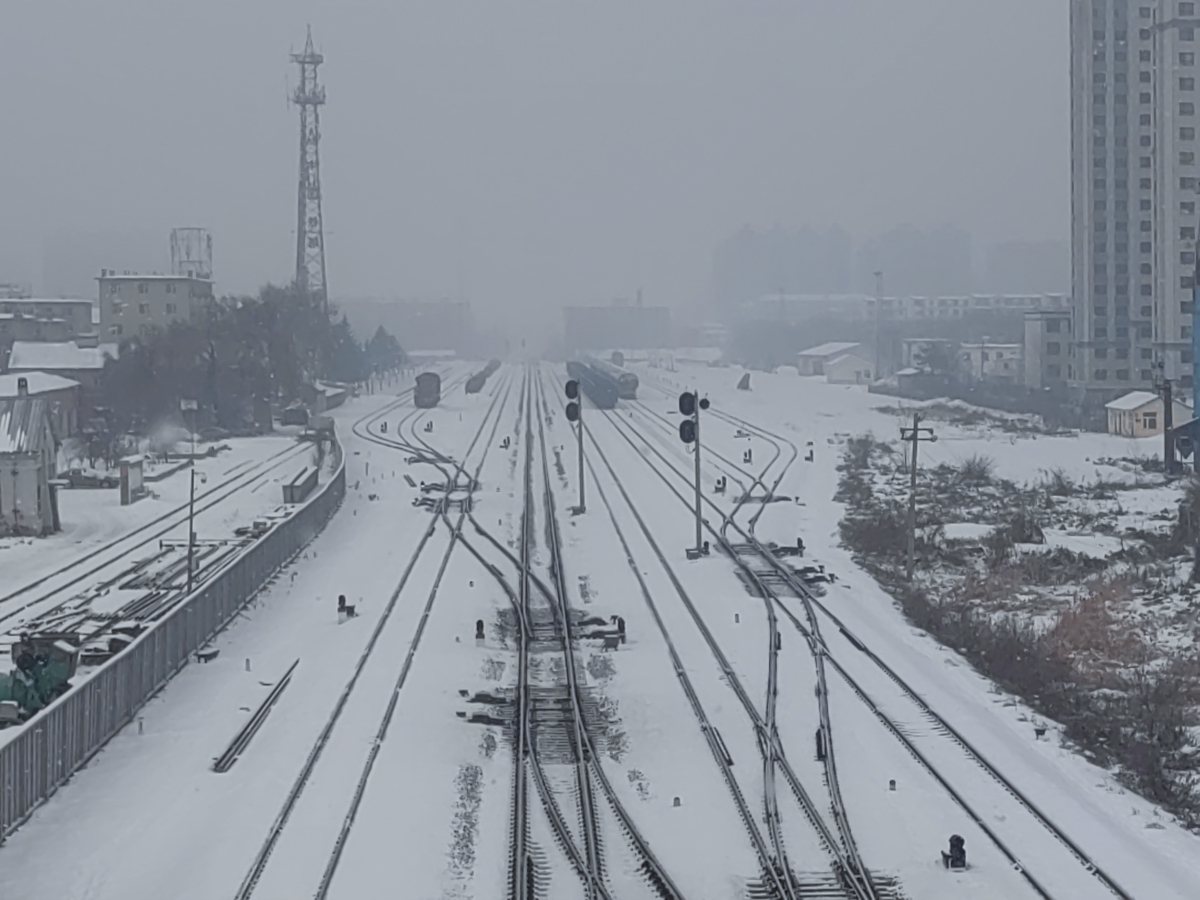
(777, 880)
(590, 768)
(928, 745)
(18, 606)
(293, 801)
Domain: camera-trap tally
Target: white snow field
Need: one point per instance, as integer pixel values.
(386, 769)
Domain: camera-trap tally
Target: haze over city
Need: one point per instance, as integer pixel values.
(600, 451)
(526, 154)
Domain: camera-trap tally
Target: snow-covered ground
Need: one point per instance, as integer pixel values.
(148, 818)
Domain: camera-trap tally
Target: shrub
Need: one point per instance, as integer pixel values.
(976, 470)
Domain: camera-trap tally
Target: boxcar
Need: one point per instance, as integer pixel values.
(428, 392)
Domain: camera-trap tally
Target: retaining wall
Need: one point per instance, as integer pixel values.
(39, 756)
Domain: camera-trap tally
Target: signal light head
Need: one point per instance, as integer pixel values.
(573, 389)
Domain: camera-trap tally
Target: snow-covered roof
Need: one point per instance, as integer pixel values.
(48, 356)
(21, 421)
(825, 351)
(43, 301)
(909, 371)
(854, 355)
(112, 276)
(38, 383)
(1132, 400)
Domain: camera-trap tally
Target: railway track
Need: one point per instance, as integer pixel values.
(776, 880)
(904, 735)
(259, 866)
(19, 601)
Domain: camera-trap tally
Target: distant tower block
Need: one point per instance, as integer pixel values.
(191, 252)
(310, 236)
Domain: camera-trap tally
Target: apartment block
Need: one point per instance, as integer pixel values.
(132, 305)
(1133, 191)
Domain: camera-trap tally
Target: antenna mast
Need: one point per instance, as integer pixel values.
(310, 235)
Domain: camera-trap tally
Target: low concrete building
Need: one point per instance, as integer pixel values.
(54, 319)
(916, 352)
(61, 395)
(81, 360)
(1140, 414)
(1049, 350)
(988, 361)
(28, 449)
(812, 361)
(849, 368)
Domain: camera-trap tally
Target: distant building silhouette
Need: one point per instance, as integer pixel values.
(917, 263)
(1029, 267)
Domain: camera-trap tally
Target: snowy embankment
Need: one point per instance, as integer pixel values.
(808, 410)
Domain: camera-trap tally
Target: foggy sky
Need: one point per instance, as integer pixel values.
(530, 154)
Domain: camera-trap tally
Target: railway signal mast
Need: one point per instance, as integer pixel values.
(689, 432)
(575, 414)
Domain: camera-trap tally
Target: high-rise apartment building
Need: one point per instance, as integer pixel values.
(1133, 190)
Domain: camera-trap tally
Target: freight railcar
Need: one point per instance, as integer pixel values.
(599, 388)
(428, 392)
(476, 382)
(627, 382)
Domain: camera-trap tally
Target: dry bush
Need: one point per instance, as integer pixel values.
(976, 470)
(1058, 566)
(882, 532)
(859, 451)
(1091, 635)
(1058, 483)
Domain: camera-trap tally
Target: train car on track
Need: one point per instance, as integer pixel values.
(601, 389)
(476, 382)
(626, 381)
(428, 392)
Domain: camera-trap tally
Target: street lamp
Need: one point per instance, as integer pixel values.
(191, 523)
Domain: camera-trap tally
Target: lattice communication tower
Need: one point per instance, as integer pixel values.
(310, 235)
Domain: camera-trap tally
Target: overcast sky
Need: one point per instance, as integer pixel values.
(529, 153)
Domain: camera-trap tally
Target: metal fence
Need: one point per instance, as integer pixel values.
(58, 741)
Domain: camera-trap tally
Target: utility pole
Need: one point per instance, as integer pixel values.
(914, 435)
(191, 406)
(878, 317)
(192, 526)
(1163, 385)
(699, 532)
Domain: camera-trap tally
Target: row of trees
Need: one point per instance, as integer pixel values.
(244, 356)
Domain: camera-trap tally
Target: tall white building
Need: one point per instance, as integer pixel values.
(1133, 190)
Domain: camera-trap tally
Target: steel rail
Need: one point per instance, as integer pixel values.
(1081, 856)
(242, 739)
(848, 857)
(246, 477)
(385, 723)
(261, 859)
